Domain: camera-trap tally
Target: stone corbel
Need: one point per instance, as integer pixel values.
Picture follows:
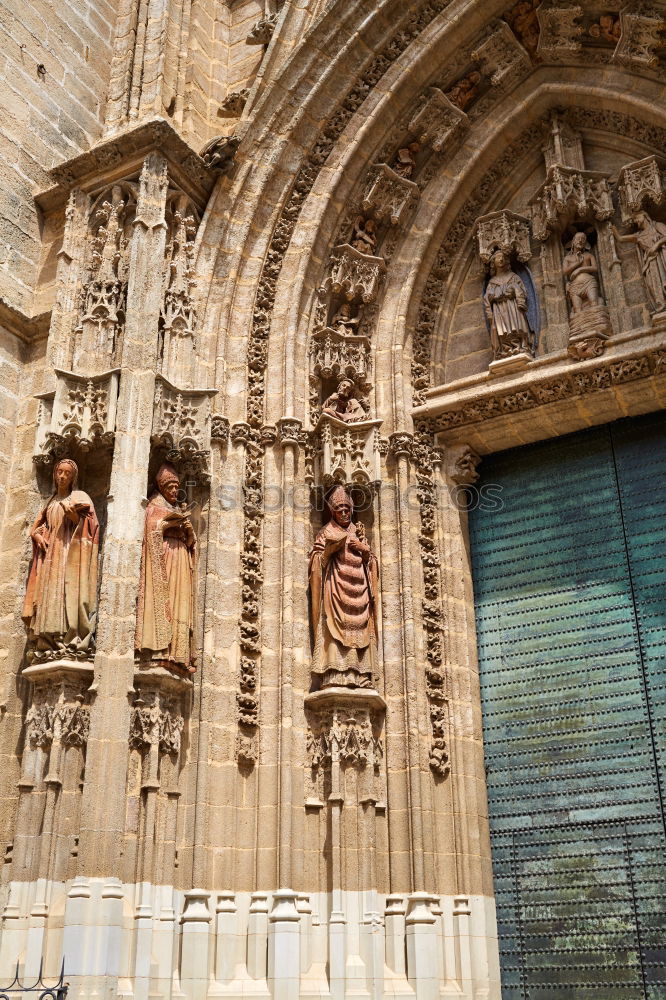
(79, 416)
(461, 465)
(356, 275)
(182, 425)
(437, 120)
(642, 34)
(387, 195)
(344, 727)
(559, 31)
(58, 713)
(219, 152)
(503, 231)
(347, 453)
(638, 183)
(569, 195)
(501, 56)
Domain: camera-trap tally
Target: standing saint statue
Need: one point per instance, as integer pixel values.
(650, 239)
(60, 606)
(505, 303)
(165, 611)
(582, 275)
(343, 588)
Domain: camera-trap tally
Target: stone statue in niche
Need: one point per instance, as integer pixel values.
(524, 23)
(506, 306)
(582, 275)
(343, 592)
(650, 238)
(343, 321)
(363, 237)
(60, 607)
(464, 91)
(589, 322)
(343, 404)
(404, 163)
(165, 611)
(608, 29)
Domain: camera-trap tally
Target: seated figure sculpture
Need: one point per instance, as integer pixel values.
(343, 404)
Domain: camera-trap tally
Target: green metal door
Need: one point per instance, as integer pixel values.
(570, 591)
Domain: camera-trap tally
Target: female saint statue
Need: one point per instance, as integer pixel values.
(651, 242)
(165, 611)
(505, 303)
(343, 588)
(60, 604)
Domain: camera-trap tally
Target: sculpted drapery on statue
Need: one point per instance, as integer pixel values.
(165, 612)
(650, 238)
(505, 303)
(60, 604)
(343, 591)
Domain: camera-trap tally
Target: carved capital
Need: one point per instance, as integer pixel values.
(290, 432)
(219, 428)
(401, 443)
(503, 231)
(240, 433)
(640, 182)
(437, 120)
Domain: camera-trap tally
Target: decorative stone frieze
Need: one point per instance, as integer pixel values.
(334, 354)
(501, 56)
(79, 416)
(387, 195)
(355, 275)
(182, 426)
(641, 182)
(560, 32)
(569, 195)
(643, 28)
(504, 231)
(437, 120)
(345, 453)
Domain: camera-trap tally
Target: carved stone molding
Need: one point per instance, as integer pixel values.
(501, 56)
(569, 195)
(387, 195)
(182, 425)
(640, 182)
(356, 275)
(178, 318)
(503, 231)
(334, 354)
(347, 454)
(437, 120)
(461, 464)
(643, 28)
(79, 416)
(560, 33)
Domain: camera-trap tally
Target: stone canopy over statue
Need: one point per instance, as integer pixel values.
(343, 591)
(165, 612)
(60, 606)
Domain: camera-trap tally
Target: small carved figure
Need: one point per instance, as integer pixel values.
(363, 237)
(607, 28)
(343, 576)
(650, 239)
(405, 162)
(165, 612)
(582, 275)
(60, 606)
(343, 321)
(464, 91)
(505, 302)
(343, 404)
(219, 152)
(524, 23)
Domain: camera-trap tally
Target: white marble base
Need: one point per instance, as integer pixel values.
(125, 941)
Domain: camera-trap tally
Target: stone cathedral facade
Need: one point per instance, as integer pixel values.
(332, 379)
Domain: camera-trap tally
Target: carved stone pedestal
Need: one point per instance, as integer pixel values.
(588, 332)
(347, 453)
(507, 366)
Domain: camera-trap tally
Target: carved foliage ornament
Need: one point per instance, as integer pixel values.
(57, 713)
(347, 735)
